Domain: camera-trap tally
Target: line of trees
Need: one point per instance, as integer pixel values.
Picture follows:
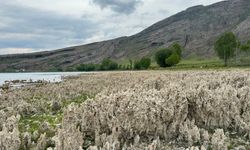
(106, 64)
(227, 46)
(109, 65)
(165, 57)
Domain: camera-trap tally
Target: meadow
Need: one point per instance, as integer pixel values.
(131, 110)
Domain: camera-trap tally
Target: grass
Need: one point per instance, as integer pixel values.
(201, 64)
(32, 123)
(191, 63)
(77, 100)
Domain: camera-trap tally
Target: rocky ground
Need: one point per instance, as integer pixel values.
(153, 110)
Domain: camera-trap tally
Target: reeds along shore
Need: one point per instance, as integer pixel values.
(130, 110)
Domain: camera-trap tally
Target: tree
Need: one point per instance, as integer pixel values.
(245, 47)
(170, 56)
(91, 67)
(87, 67)
(161, 56)
(144, 63)
(225, 46)
(173, 59)
(176, 47)
(137, 65)
(131, 63)
(108, 64)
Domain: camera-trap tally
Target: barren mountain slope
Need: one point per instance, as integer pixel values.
(195, 28)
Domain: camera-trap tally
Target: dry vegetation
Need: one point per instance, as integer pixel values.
(130, 111)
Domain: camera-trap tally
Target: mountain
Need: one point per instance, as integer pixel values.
(196, 29)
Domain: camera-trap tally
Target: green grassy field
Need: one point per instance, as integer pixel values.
(198, 63)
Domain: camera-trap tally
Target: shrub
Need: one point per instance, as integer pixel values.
(91, 67)
(108, 64)
(144, 63)
(137, 65)
(161, 56)
(245, 48)
(87, 67)
(81, 67)
(173, 59)
(176, 47)
(168, 57)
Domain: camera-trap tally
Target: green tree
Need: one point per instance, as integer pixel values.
(245, 47)
(91, 67)
(225, 46)
(137, 65)
(144, 63)
(108, 64)
(176, 47)
(80, 67)
(161, 55)
(131, 64)
(173, 59)
(169, 56)
(87, 67)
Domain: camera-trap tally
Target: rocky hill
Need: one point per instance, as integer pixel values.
(196, 29)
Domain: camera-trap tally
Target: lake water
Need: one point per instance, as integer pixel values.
(48, 76)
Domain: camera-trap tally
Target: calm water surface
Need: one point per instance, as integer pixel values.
(48, 76)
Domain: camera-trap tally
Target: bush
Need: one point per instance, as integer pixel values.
(108, 64)
(144, 63)
(87, 67)
(176, 47)
(137, 65)
(91, 67)
(168, 57)
(161, 56)
(173, 59)
(80, 67)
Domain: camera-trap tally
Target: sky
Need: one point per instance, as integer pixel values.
(39, 25)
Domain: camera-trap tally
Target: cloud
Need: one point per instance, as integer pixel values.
(26, 27)
(119, 6)
(16, 50)
(29, 25)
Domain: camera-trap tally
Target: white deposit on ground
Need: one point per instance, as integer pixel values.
(151, 110)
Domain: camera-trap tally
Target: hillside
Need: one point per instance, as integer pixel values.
(195, 28)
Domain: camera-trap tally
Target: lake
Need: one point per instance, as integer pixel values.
(47, 76)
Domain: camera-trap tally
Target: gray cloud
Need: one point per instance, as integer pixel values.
(119, 6)
(25, 27)
(28, 25)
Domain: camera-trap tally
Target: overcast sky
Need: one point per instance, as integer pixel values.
(38, 25)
